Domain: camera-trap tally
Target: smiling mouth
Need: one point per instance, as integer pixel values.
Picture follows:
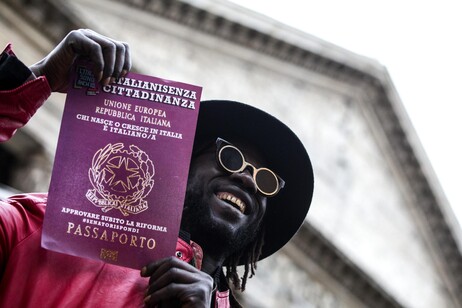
(233, 200)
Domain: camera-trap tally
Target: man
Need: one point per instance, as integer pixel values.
(249, 189)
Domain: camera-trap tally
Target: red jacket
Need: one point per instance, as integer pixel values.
(35, 277)
(18, 104)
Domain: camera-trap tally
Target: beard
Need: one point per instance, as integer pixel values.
(215, 237)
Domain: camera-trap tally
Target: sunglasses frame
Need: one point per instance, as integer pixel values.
(223, 144)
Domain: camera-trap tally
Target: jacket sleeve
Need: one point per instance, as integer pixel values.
(21, 94)
(20, 216)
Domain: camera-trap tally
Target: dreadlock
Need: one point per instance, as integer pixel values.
(250, 256)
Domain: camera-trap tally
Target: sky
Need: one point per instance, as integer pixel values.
(420, 44)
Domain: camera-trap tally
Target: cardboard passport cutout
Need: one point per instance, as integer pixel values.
(121, 166)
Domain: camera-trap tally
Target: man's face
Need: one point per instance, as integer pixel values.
(223, 207)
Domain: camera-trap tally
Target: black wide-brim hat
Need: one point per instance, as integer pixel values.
(284, 152)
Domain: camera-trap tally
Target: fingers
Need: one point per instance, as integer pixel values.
(127, 66)
(111, 58)
(159, 267)
(172, 278)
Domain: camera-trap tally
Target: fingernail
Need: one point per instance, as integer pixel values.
(123, 73)
(147, 298)
(143, 271)
(106, 81)
(99, 76)
(112, 80)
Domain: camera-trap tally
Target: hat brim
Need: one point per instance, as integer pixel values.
(286, 155)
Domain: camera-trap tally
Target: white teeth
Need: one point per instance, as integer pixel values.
(234, 200)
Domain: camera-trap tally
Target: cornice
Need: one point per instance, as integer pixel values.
(425, 201)
(50, 17)
(208, 22)
(313, 244)
(54, 20)
(427, 205)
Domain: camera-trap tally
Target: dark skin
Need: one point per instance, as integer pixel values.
(111, 58)
(218, 226)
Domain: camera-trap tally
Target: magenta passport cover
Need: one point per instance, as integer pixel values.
(121, 166)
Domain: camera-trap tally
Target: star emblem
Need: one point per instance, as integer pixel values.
(121, 174)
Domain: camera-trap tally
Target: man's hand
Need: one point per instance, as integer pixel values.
(111, 58)
(175, 283)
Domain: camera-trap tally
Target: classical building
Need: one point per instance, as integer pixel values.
(379, 233)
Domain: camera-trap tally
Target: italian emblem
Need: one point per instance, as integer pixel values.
(121, 179)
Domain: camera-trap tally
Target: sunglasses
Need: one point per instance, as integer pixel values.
(232, 160)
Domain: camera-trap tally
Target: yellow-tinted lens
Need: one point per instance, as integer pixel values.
(267, 181)
(231, 158)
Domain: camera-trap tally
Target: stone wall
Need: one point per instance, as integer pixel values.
(359, 202)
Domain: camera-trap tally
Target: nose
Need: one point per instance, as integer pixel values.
(246, 179)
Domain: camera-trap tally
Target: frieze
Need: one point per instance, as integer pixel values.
(55, 20)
